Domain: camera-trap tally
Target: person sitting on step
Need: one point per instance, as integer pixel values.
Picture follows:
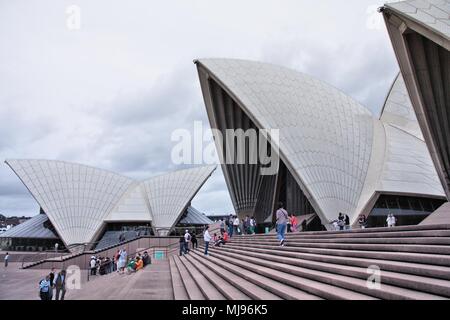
(139, 264)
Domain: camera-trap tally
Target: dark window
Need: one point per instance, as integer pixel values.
(426, 204)
(415, 204)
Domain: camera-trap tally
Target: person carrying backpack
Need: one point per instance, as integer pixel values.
(44, 288)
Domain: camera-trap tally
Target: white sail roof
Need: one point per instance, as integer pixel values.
(170, 194)
(75, 197)
(340, 155)
(79, 199)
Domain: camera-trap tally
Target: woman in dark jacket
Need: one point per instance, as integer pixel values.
(194, 241)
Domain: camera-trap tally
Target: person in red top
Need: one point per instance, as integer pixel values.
(225, 236)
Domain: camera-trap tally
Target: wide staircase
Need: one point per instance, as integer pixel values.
(409, 262)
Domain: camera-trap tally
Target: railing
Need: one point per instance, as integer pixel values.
(70, 252)
(33, 258)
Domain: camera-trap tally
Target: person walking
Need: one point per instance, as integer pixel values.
(252, 225)
(182, 245)
(116, 261)
(123, 260)
(60, 285)
(282, 218)
(246, 225)
(6, 260)
(362, 221)
(231, 225)
(222, 226)
(236, 223)
(194, 241)
(52, 277)
(347, 222)
(93, 265)
(44, 287)
(207, 239)
(391, 220)
(187, 238)
(341, 221)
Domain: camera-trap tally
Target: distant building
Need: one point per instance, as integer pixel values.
(80, 204)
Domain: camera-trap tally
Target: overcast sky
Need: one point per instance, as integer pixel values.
(111, 93)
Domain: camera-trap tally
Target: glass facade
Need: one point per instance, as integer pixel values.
(407, 210)
(30, 244)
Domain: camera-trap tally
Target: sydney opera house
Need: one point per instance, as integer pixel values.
(420, 35)
(335, 156)
(82, 204)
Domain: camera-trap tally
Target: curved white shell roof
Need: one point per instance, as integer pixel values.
(327, 140)
(79, 199)
(325, 136)
(432, 14)
(408, 167)
(171, 193)
(76, 198)
(398, 110)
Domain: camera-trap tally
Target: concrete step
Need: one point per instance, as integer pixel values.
(193, 291)
(228, 290)
(179, 292)
(428, 259)
(254, 291)
(348, 235)
(276, 287)
(207, 288)
(427, 249)
(439, 272)
(405, 240)
(312, 287)
(385, 230)
(290, 273)
(417, 283)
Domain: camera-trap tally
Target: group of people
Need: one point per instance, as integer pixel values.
(101, 265)
(234, 226)
(120, 263)
(137, 263)
(53, 282)
(216, 240)
(125, 264)
(343, 222)
(185, 240)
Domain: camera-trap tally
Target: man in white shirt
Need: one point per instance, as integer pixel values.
(93, 265)
(207, 239)
(187, 239)
(236, 223)
(391, 220)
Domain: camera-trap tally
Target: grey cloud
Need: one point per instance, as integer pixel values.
(111, 94)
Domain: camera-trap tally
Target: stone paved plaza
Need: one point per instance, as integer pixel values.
(153, 282)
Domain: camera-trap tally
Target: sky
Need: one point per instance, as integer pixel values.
(110, 90)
